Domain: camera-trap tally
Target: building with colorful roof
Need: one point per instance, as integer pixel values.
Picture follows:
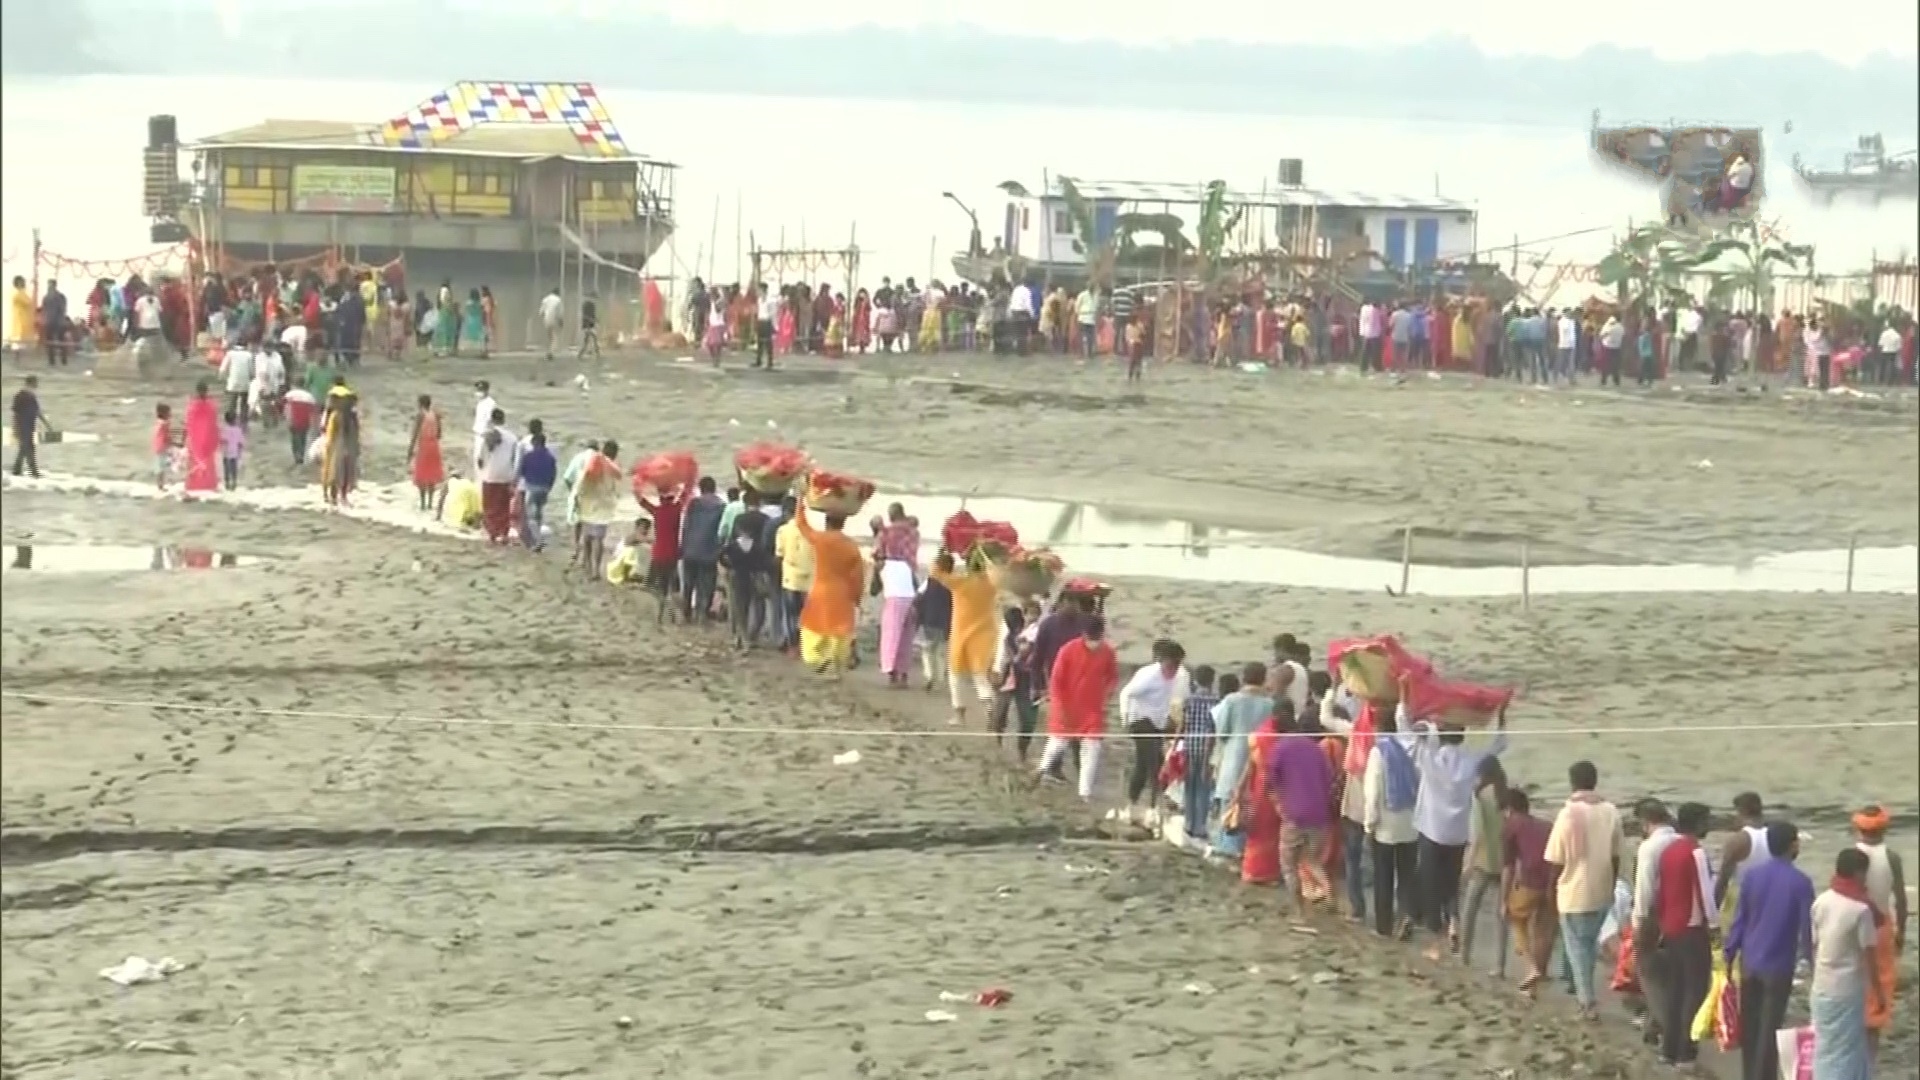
(519, 186)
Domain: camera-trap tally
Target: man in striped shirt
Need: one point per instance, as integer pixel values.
(1121, 306)
(1196, 734)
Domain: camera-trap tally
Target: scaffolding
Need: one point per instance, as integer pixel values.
(805, 264)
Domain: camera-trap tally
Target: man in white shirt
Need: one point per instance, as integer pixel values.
(483, 409)
(1369, 338)
(1656, 829)
(1443, 813)
(1148, 703)
(295, 339)
(236, 372)
(1567, 341)
(1613, 336)
(497, 464)
(269, 382)
(1020, 317)
(1389, 790)
(1819, 354)
(552, 315)
(1687, 329)
(1888, 372)
(146, 316)
(767, 314)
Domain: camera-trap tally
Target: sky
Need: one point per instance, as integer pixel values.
(1843, 30)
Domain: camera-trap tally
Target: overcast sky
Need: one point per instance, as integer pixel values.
(1841, 29)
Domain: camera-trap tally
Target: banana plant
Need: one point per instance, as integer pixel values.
(1752, 254)
(1218, 220)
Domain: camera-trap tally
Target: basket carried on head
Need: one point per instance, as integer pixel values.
(770, 468)
(1025, 572)
(1095, 593)
(662, 474)
(1020, 579)
(832, 493)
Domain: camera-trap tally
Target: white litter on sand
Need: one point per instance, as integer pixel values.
(135, 970)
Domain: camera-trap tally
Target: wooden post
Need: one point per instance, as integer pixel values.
(1406, 558)
(19, 331)
(1853, 543)
(1526, 576)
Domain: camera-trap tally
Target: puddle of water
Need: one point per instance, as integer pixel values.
(1102, 543)
(114, 558)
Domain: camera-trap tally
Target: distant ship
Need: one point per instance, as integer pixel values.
(1869, 170)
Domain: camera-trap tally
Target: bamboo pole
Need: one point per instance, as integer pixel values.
(1046, 236)
(1853, 544)
(1406, 559)
(1526, 576)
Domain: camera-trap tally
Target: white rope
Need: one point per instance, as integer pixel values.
(833, 732)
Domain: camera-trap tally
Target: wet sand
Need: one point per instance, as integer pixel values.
(1327, 461)
(372, 892)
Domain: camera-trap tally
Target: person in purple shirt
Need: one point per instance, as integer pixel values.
(1300, 783)
(1772, 928)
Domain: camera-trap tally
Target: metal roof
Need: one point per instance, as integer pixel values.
(518, 141)
(1193, 193)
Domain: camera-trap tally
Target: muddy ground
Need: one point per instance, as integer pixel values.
(417, 828)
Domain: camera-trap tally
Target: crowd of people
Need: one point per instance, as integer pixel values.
(1403, 824)
(1518, 341)
(358, 311)
(353, 313)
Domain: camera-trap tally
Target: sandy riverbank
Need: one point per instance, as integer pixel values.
(400, 897)
(507, 936)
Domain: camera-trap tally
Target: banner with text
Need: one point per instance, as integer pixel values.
(343, 189)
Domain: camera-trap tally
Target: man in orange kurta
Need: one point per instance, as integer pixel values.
(1085, 674)
(833, 600)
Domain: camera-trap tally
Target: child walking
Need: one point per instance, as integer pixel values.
(163, 442)
(233, 443)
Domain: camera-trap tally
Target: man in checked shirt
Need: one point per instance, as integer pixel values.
(1196, 736)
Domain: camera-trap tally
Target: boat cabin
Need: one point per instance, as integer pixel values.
(1404, 233)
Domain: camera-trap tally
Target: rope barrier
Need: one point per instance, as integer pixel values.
(833, 732)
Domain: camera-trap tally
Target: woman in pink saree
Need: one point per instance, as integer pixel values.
(202, 425)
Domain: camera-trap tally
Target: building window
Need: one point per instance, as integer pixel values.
(1062, 223)
(482, 178)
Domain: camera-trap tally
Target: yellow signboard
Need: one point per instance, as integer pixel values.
(343, 189)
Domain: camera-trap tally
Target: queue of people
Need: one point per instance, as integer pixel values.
(1409, 827)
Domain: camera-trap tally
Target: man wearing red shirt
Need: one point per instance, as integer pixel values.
(662, 574)
(1683, 906)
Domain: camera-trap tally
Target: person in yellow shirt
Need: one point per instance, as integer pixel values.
(973, 638)
(796, 573)
(22, 328)
(1299, 335)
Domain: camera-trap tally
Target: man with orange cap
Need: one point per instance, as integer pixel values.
(1887, 892)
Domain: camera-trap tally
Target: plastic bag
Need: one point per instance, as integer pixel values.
(1719, 1015)
(1796, 1052)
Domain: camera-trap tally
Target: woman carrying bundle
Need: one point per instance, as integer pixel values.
(975, 632)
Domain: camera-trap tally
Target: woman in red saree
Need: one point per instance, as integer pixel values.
(1442, 335)
(1333, 866)
(1259, 820)
(202, 424)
